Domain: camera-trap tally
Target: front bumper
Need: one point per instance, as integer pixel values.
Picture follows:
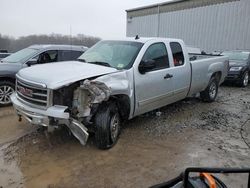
(44, 118)
(233, 76)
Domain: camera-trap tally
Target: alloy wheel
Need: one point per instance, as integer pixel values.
(212, 90)
(5, 93)
(114, 127)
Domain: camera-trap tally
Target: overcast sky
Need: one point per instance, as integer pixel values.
(105, 19)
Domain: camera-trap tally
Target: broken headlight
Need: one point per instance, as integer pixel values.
(63, 96)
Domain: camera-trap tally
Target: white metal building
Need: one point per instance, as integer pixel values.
(208, 24)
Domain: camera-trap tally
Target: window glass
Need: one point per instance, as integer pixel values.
(4, 55)
(21, 55)
(35, 58)
(178, 56)
(158, 53)
(236, 55)
(117, 54)
(48, 56)
(67, 55)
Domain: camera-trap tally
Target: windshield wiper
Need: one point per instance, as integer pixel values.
(101, 63)
(81, 60)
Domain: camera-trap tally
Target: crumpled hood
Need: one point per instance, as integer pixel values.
(56, 75)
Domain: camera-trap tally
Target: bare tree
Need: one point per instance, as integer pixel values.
(14, 45)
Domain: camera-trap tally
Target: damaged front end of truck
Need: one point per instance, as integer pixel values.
(86, 98)
(73, 105)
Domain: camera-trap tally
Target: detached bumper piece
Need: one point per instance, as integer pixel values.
(42, 117)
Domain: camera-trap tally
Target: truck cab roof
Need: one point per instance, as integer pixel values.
(145, 39)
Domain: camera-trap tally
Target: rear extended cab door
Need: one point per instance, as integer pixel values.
(181, 69)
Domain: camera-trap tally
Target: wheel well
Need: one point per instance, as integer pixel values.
(8, 79)
(217, 76)
(123, 103)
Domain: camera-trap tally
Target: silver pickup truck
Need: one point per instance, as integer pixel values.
(115, 81)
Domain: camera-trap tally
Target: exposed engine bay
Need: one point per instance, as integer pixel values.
(82, 99)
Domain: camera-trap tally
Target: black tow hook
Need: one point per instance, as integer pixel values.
(19, 118)
(53, 124)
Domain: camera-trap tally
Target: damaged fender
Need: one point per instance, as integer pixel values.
(98, 90)
(95, 92)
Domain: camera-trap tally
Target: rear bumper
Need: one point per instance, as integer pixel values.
(55, 114)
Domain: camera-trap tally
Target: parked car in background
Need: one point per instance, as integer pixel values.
(239, 66)
(193, 50)
(33, 55)
(115, 81)
(3, 51)
(4, 55)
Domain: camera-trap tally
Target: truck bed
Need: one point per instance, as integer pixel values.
(194, 57)
(203, 66)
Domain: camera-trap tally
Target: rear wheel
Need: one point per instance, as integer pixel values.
(245, 79)
(108, 125)
(6, 89)
(210, 93)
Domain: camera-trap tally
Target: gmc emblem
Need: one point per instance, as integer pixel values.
(25, 91)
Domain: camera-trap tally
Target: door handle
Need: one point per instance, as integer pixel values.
(168, 76)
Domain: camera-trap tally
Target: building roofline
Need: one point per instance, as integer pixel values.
(171, 6)
(154, 5)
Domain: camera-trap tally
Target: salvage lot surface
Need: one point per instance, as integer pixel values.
(152, 148)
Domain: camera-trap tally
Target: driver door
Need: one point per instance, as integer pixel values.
(154, 88)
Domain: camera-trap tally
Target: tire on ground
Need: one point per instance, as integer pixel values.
(106, 133)
(210, 93)
(244, 80)
(3, 85)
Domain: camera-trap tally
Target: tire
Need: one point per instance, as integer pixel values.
(245, 79)
(210, 93)
(6, 89)
(108, 125)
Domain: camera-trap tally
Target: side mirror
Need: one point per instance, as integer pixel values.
(31, 62)
(146, 66)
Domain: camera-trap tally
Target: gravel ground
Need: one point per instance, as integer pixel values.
(152, 148)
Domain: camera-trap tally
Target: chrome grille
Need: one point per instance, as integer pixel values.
(32, 94)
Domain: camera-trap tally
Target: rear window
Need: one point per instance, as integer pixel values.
(177, 52)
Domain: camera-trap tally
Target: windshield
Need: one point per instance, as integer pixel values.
(240, 56)
(21, 55)
(117, 54)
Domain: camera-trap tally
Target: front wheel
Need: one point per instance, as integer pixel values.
(245, 79)
(210, 93)
(108, 125)
(6, 89)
